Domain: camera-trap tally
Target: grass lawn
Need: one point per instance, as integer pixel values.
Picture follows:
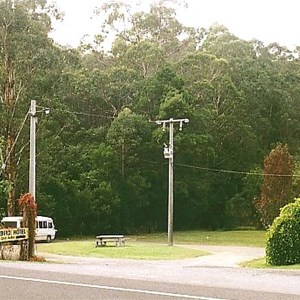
(154, 246)
(131, 250)
(253, 238)
(260, 263)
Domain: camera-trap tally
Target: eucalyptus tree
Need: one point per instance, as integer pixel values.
(24, 44)
(284, 103)
(147, 38)
(219, 121)
(238, 95)
(130, 139)
(265, 77)
(152, 97)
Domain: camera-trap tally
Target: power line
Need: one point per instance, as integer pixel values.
(223, 170)
(236, 172)
(82, 113)
(54, 109)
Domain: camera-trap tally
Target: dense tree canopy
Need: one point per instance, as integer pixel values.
(100, 164)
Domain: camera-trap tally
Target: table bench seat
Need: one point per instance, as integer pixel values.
(101, 240)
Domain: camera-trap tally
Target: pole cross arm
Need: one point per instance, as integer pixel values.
(171, 120)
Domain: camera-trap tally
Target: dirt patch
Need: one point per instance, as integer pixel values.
(226, 256)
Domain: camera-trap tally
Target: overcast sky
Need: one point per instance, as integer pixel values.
(265, 20)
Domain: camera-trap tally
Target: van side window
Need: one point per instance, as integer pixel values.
(45, 224)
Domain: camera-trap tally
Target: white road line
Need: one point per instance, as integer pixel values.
(111, 288)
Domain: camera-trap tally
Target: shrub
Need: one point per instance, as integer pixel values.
(283, 237)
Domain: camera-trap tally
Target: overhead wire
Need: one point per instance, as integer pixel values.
(82, 113)
(2, 167)
(226, 171)
(237, 172)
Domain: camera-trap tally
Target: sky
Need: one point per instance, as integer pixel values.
(266, 20)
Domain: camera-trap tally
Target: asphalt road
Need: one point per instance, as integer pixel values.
(215, 277)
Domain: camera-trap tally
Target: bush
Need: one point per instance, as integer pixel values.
(283, 237)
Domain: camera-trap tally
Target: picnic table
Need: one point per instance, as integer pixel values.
(101, 240)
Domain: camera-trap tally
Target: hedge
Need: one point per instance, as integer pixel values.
(283, 237)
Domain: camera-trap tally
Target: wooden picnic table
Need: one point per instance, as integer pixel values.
(101, 240)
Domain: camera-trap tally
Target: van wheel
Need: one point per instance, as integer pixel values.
(48, 240)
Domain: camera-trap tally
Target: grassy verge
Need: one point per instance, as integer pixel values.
(132, 250)
(253, 238)
(260, 263)
(154, 246)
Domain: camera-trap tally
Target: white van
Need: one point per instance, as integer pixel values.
(45, 230)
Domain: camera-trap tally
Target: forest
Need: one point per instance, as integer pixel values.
(99, 157)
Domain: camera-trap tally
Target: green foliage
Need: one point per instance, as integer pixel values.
(240, 209)
(174, 105)
(283, 237)
(159, 27)
(29, 69)
(99, 160)
(4, 188)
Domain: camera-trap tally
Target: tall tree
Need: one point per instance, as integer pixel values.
(277, 185)
(158, 26)
(24, 28)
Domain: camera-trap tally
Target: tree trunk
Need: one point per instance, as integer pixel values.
(29, 209)
(9, 100)
(11, 176)
(123, 159)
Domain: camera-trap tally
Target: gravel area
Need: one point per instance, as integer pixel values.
(226, 256)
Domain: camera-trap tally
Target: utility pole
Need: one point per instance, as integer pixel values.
(169, 154)
(32, 169)
(32, 154)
